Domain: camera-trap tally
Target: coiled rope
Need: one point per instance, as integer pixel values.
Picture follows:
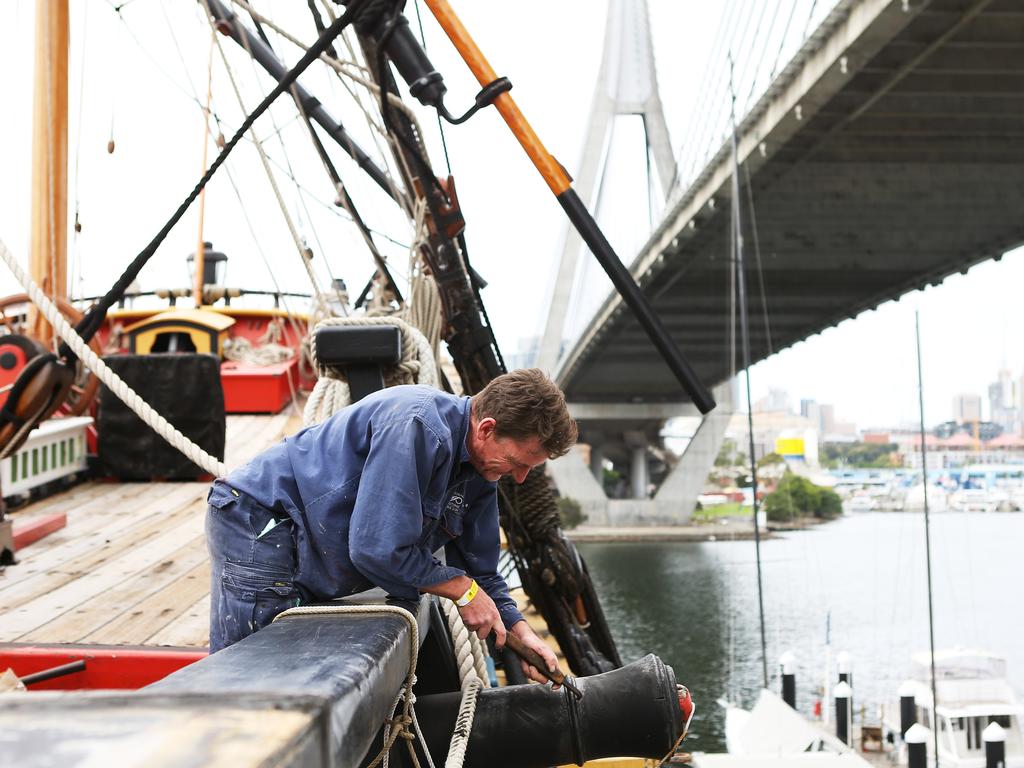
(331, 392)
(115, 383)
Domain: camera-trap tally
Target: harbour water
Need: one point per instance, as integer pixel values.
(695, 604)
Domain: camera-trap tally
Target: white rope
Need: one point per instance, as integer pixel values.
(115, 383)
(331, 393)
(470, 652)
(397, 725)
(463, 724)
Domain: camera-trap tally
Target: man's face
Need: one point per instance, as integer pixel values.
(495, 457)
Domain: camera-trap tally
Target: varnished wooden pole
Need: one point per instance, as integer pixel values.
(48, 241)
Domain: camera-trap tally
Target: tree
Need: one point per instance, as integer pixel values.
(797, 496)
(570, 512)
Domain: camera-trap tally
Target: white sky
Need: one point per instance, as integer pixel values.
(135, 77)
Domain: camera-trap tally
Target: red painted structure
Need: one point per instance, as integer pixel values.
(106, 666)
(36, 528)
(258, 388)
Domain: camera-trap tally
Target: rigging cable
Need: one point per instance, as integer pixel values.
(94, 317)
(741, 284)
(301, 206)
(342, 195)
(320, 302)
(757, 258)
(440, 124)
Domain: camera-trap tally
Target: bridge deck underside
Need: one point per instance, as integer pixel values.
(911, 171)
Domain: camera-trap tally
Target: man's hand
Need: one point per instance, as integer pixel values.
(530, 639)
(481, 616)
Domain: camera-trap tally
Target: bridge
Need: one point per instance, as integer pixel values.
(887, 155)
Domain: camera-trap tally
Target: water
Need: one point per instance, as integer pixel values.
(695, 604)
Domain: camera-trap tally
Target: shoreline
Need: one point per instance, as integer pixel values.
(729, 530)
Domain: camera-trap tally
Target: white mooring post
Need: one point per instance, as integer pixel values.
(995, 746)
(917, 748)
(843, 694)
(788, 663)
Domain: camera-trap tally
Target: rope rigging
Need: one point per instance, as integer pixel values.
(444, 301)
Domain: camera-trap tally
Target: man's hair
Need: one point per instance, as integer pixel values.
(526, 403)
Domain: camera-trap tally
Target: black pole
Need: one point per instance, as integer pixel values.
(844, 713)
(908, 709)
(741, 284)
(927, 536)
(788, 665)
(917, 749)
(50, 674)
(995, 746)
(634, 299)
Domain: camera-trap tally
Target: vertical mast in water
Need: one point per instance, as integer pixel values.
(927, 537)
(741, 285)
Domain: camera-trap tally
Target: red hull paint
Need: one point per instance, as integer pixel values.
(33, 530)
(106, 666)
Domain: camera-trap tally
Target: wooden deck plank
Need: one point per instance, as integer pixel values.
(119, 540)
(262, 433)
(130, 597)
(30, 615)
(190, 630)
(84, 529)
(135, 626)
(123, 529)
(131, 567)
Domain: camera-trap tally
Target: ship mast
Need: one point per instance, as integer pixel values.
(48, 242)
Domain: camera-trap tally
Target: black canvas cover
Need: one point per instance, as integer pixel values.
(185, 390)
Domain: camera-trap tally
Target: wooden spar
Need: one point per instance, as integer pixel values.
(199, 262)
(48, 248)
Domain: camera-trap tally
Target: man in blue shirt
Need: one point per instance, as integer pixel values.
(365, 499)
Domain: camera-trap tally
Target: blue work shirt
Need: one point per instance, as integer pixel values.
(375, 490)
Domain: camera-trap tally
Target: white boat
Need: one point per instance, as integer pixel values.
(775, 735)
(979, 500)
(938, 499)
(973, 692)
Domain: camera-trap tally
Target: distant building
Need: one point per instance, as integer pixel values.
(777, 400)
(966, 409)
(1002, 400)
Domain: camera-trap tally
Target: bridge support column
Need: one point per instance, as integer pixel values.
(677, 497)
(575, 480)
(597, 462)
(638, 476)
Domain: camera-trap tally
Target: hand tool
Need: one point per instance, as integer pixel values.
(534, 659)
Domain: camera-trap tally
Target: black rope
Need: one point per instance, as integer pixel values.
(89, 324)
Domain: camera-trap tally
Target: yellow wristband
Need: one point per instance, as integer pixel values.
(470, 593)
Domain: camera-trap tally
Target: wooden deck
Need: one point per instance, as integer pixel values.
(131, 566)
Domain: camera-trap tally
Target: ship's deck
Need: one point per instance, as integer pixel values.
(130, 567)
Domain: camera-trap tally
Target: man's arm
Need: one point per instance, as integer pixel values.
(481, 615)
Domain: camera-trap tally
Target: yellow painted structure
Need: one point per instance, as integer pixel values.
(789, 446)
(207, 330)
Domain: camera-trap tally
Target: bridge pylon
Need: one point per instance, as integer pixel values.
(627, 84)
